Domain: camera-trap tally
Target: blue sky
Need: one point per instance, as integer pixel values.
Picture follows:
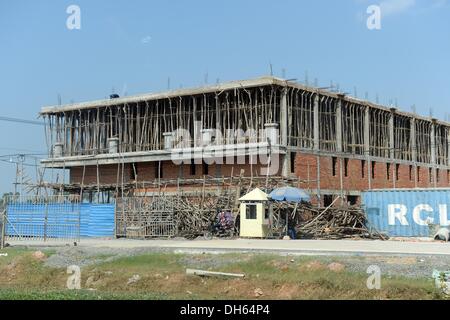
(133, 47)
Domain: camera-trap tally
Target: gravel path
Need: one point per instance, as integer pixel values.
(413, 266)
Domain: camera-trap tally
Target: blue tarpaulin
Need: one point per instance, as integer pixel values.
(289, 194)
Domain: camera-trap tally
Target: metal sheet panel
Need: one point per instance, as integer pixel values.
(97, 220)
(407, 212)
(54, 220)
(60, 221)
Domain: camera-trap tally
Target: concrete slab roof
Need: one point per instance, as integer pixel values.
(219, 88)
(263, 81)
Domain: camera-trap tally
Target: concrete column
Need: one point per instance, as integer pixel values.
(433, 151)
(283, 119)
(367, 144)
(413, 140)
(392, 146)
(284, 122)
(414, 149)
(196, 124)
(448, 147)
(316, 123)
(218, 122)
(392, 134)
(339, 147)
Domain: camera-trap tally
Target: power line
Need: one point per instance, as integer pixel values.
(38, 123)
(23, 163)
(30, 155)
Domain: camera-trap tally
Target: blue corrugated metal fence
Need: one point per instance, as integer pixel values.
(97, 220)
(57, 220)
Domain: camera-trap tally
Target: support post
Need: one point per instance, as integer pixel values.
(392, 135)
(339, 147)
(448, 147)
(433, 151)
(392, 145)
(196, 129)
(285, 171)
(316, 123)
(413, 140)
(367, 144)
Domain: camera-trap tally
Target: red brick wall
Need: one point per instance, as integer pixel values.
(146, 171)
(306, 169)
(107, 174)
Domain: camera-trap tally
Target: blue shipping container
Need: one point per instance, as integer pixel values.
(407, 212)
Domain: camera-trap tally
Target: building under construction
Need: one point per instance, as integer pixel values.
(264, 131)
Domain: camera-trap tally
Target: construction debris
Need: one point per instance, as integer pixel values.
(203, 273)
(323, 223)
(442, 281)
(135, 278)
(39, 255)
(443, 234)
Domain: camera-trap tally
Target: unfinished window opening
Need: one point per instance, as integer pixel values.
(388, 171)
(418, 174)
(334, 166)
(250, 212)
(352, 200)
(158, 170)
(346, 167)
(397, 172)
(293, 156)
(205, 169)
(410, 173)
(133, 171)
(363, 168)
(437, 176)
(374, 164)
(430, 174)
(192, 168)
(327, 200)
(448, 176)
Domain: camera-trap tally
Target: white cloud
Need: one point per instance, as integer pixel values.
(439, 3)
(391, 7)
(146, 39)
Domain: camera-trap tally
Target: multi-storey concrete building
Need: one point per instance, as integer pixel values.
(330, 143)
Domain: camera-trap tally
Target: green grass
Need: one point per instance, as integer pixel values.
(162, 276)
(14, 294)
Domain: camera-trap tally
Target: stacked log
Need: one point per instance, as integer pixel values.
(324, 223)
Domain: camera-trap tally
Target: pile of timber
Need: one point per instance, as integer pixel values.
(196, 215)
(329, 223)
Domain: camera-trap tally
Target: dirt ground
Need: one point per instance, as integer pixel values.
(147, 273)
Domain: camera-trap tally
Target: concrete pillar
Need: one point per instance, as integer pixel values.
(58, 150)
(433, 142)
(218, 122)
(413, 140)
(433, 151)
(339, 147)
(284, 122)
(316, 123)
(197, 124)
(413, 143)
(392, 134)
(271, 133)
(168, 140)
(392, 146)
(448, 147)
(367, 144)
(283, 119)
